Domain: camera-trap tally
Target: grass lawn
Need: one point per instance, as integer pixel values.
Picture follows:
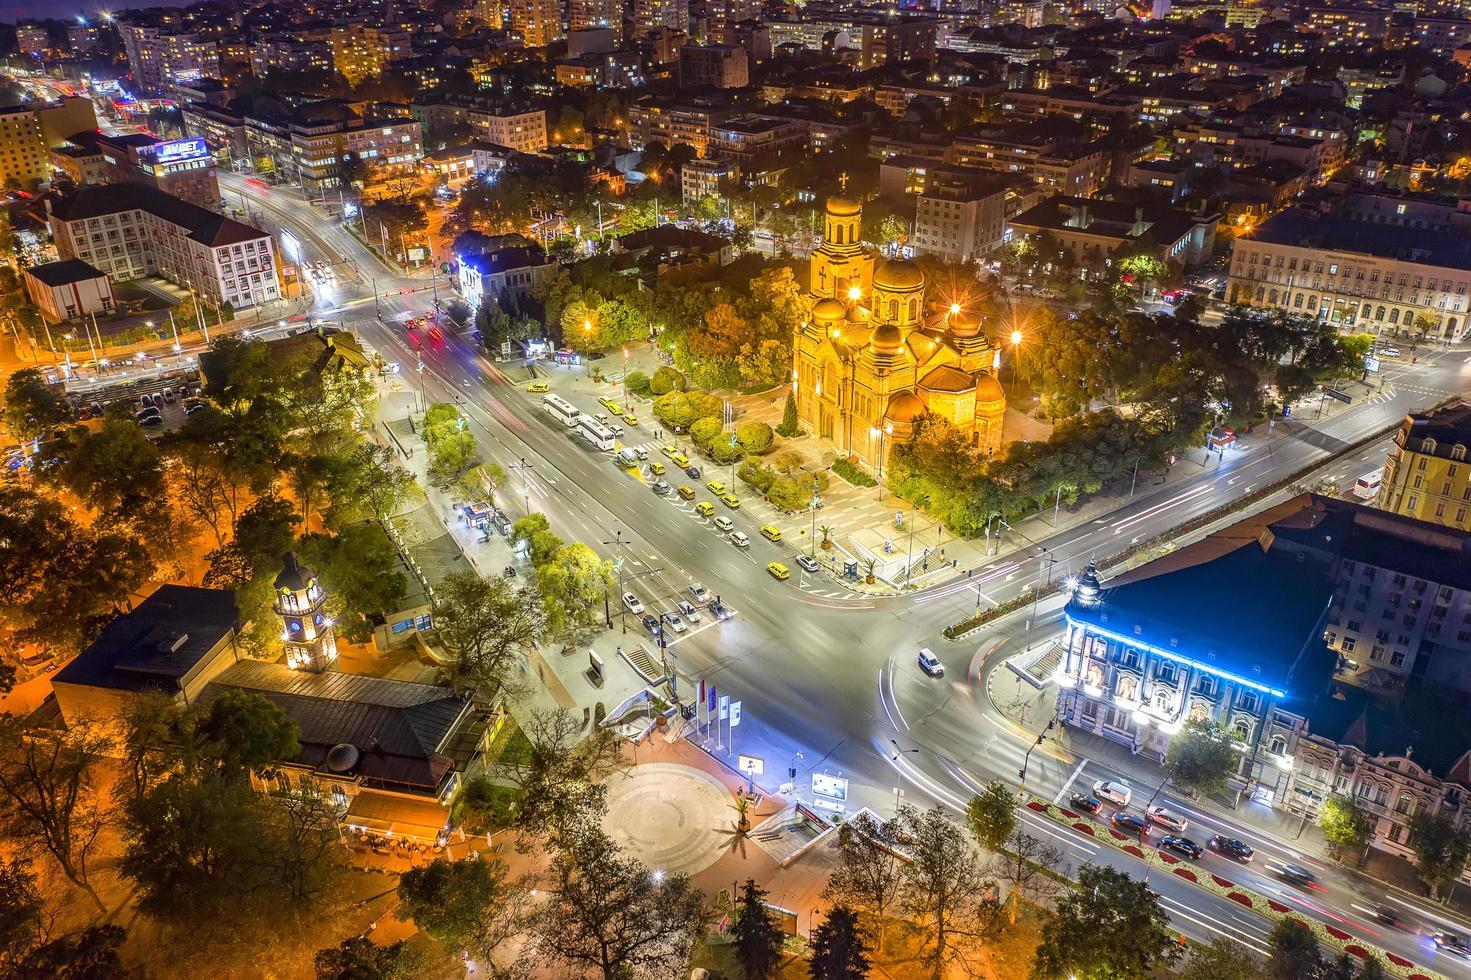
(511, 746)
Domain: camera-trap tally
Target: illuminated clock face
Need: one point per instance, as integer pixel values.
(293, 625)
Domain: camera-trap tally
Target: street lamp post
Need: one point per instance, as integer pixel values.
(899, 790)
(814, 517)
(1132, 481)
(880, 432)
(587, 345)
(622, 606)
(1026, 759)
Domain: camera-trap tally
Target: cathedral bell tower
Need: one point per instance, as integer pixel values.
(307, 630)
(841, 268)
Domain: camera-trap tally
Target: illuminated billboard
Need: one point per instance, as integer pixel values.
(178, 151)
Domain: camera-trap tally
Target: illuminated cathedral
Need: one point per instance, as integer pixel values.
(875, 357)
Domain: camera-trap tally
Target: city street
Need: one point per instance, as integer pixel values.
(828, 676)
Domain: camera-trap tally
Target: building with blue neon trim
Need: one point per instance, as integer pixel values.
(1229, 629)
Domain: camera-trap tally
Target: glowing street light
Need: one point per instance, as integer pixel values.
(855, 293)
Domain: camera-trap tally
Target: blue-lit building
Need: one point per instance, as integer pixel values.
(1229, 629)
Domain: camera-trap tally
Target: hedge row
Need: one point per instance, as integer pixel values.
(848, 471)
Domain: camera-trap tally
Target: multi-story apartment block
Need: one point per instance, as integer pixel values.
(83, 38)
(362, 51)
(713, 66)
(537, 22)
(222, 129)
(585, 15)
(1443, 35)
(157, 55)
(689, 121)
(29, 132)
(33, 39)
(128, 231)
(961, 219)
(1355, 273)
(1426, 475)
(318, 150)
(523, 130)
(897, 41)
(722, 16)
(1075, 168)
(306, 51)
(708, 177)
(649, 15)
(1348, 26)
(745, 139)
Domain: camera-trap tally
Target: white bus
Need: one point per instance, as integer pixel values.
(1366, 487)
(560, 409)
(596, 433)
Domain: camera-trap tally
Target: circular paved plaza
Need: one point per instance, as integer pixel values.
(670, 817)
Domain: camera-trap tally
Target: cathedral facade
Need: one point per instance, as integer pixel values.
(875, 358)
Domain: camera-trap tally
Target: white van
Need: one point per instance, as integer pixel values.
(1366, 487)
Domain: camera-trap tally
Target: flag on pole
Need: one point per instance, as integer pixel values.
(735, 713)
(710, 703)
(724, 706)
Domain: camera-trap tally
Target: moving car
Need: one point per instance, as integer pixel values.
(688, 611)
(1295, 874)
(1390, 916)
(778, 571)
(630, 418)
(930, 664)
(1451, 943)
(673, 621)
(679, 459)
(1166, 817)
(652, 625)
(1113, 792)
(661, 487)
(704, 508)
(807, 563)
(720, 610)
(1082, 801)
(632, 602)
(641, 452)
(693, 472)
(731, 500)
(669, 450)
(1231, 847)
(715, 487)
(1130, 823)
(724, 523)
(1389, 352)
(699, 593)
(1183, 846)
(770, 533)
(739, 539)
(656, 468)
(539, 387)
(686, 493)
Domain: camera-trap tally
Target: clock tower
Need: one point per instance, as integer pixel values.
(300, 602)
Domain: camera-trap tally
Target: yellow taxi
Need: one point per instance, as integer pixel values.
(779, 571)
(539, 387)
(606, 402)
(731, 500)
(688, 493)
(669, 450)
(770, 533)
(630, 418)
(656, 468)
(680, 460)
(704, 508)
(716, 487)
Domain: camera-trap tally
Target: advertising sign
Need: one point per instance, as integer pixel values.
(178, 151)
(832, 787)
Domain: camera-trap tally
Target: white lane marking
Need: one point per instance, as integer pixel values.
(1177, 910)
(1058, 798)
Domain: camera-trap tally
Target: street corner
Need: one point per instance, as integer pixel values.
(672, 817)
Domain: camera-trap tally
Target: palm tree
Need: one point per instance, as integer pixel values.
(869, 566)
(827, 535)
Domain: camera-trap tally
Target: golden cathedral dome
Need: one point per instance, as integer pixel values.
(905, 406)
(886, 338)
(898, 275)
(828, 310)
(988, 389)
(963, 323)
(843, 206)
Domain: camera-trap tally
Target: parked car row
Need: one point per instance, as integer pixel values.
(686, 612)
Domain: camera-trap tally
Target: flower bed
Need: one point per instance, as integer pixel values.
(1330, 936)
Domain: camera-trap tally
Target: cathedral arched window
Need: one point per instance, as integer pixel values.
(913, 308)
(893, 310)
